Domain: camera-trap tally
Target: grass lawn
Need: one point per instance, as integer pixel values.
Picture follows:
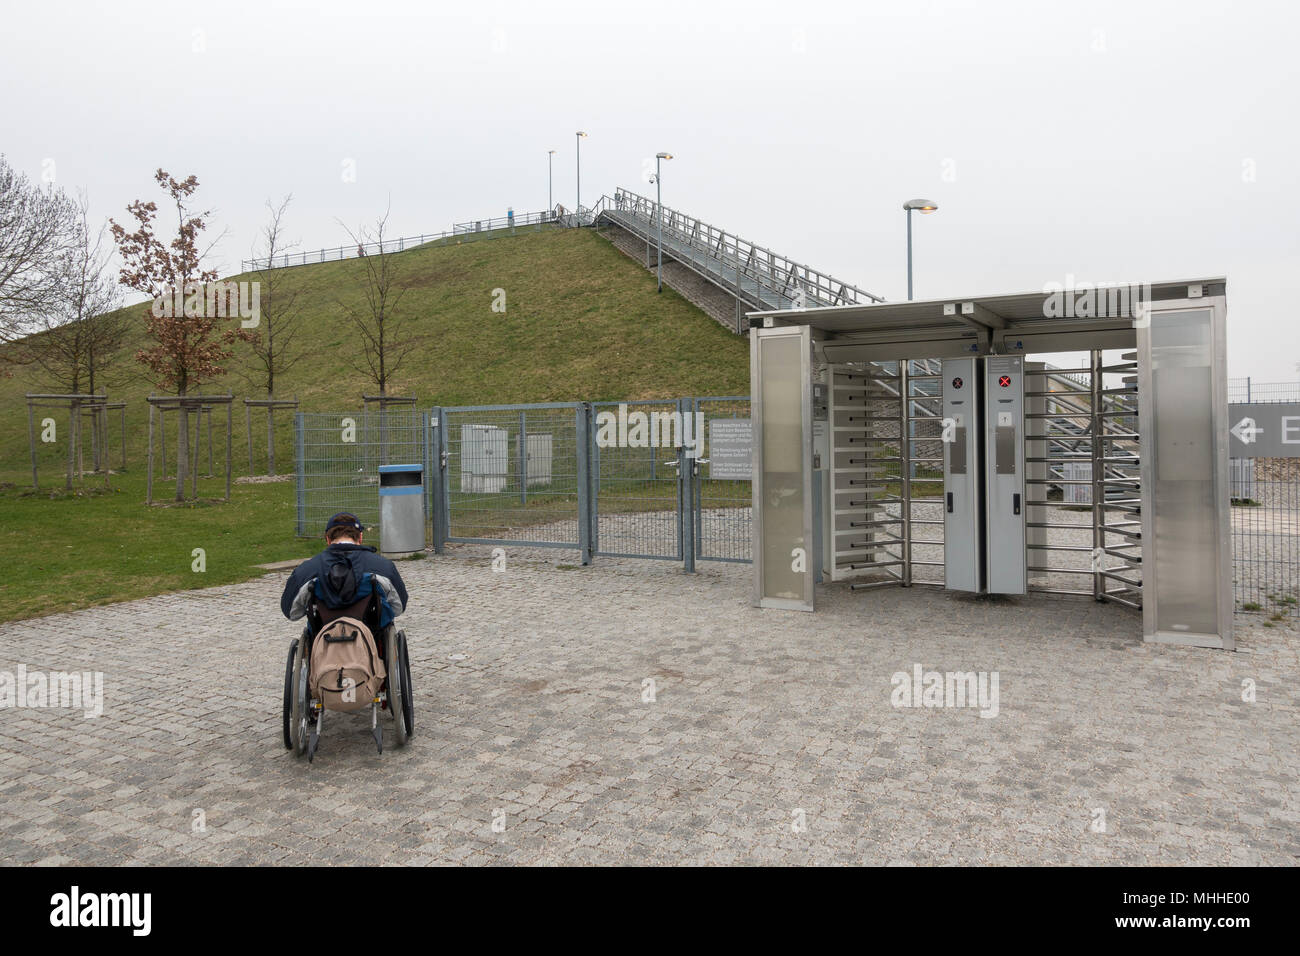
(73, 551)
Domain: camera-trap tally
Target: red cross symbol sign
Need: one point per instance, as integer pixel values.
(1004, 381)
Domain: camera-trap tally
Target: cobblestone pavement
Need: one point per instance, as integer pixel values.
(771, 736)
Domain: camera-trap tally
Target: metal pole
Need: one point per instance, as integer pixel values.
(659, 238)
(248, 427)
(578, 208)
(523, 460)
(909, 255)
(300, 476)
(550, 178)
(686, 495)
(905, 467)
(1098, 477)
(122, 436)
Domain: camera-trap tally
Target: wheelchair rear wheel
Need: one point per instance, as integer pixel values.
(396, 683)
(298, 715)
(287, 716)
(408, 693)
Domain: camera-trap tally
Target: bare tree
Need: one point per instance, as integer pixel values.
(83, 329)
(37, 226)
(274, 348)
(385, 340)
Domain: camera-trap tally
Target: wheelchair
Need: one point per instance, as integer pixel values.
(303, 717)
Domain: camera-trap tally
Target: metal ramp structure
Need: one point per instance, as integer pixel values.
(756, 277)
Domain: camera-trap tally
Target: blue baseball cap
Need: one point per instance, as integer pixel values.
(344, 519)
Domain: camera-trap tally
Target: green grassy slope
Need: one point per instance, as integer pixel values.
(582, 322)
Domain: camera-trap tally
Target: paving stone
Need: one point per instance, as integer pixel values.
(757, 714)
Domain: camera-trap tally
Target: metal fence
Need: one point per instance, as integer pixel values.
(608, 478)
(1242, 390)
(460, 232)
(640, 498)
(513, 474)
(338, 457)
(723, 506)
(546, 476)
(1266, 542)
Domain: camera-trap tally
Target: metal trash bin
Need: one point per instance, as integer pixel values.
(401, 509)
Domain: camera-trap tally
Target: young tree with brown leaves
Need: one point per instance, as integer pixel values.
(190, 345)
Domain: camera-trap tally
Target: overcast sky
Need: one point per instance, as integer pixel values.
(1107, 141)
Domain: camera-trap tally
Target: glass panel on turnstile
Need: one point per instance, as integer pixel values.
(962, 504)
(1004, 498)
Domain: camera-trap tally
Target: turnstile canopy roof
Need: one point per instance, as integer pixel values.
(1050, 320)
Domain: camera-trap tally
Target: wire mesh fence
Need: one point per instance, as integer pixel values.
(636, 464)
(723, 503)
(514, 473)
(460, 232)
(1248, 390)
(1266, 544)
(338, 460)
(544, 476)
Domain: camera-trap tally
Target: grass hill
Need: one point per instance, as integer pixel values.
(582, 322)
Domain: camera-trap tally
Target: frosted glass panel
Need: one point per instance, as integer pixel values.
(1185, 513)
(781, 393)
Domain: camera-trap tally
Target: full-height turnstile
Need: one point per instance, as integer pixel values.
(1037, 461)
(984, 474)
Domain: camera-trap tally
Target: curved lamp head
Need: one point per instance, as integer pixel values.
(581, 133)
(923, 206)
(663, 155)
(551, 151)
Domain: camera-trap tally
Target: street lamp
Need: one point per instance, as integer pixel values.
(659, 211)
(580, 137)
(924, 207)
(550, 165)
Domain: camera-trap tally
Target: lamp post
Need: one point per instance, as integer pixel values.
(659, 215)
(550, 166)
(580, 135)
(925, 207)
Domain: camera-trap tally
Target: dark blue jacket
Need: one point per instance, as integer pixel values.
(345, 573)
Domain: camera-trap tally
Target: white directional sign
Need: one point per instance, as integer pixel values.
(1264, 430)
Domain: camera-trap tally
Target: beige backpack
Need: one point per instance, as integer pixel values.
(346, 671)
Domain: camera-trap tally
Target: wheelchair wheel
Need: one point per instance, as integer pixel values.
(396, 684)
(287, 712)
(298, 717)
(408, 692)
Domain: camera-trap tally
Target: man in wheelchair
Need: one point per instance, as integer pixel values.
(337, 665)
(347, 575)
